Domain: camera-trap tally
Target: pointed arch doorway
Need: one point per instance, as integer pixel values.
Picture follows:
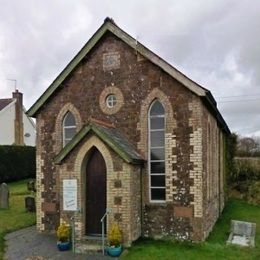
(96, 191)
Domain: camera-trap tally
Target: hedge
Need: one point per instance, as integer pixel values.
(17, 162)
(247, 169)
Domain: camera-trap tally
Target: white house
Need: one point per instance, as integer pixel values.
(15, 126)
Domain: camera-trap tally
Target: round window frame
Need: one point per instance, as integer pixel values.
(111, 102)
(112, 90)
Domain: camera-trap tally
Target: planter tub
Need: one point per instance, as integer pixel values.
(114, 251)
(63, 246)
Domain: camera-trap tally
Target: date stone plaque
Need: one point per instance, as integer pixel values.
(111, 60)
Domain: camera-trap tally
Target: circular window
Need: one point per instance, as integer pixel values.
(111, 100)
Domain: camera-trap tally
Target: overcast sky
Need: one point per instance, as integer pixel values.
(216, 43)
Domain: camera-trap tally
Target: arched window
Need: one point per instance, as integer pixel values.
(69, 127)
(156, 157)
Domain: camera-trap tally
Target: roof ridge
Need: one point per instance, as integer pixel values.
(109, 19)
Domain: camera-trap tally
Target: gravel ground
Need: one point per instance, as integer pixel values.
(27, 244)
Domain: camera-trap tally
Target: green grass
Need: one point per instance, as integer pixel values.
(15, 217)
(19, 187)
(214, 248)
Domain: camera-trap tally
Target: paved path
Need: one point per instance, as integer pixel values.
(27, 244)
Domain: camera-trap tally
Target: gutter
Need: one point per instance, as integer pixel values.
(209, 99)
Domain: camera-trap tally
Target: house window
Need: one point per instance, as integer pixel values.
(69, 128)
(156, 156)
(111, 100)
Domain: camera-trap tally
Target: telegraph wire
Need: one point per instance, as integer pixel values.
(253, 95)
(240, 100)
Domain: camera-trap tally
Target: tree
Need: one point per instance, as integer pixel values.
(248, 146)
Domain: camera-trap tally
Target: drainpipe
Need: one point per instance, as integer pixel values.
(141, 191)
(219, 170)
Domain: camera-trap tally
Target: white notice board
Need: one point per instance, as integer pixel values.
(70, 195)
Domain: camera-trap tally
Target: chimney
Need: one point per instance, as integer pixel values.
(18, 121)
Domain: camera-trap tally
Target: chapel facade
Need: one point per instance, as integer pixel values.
(142, 141)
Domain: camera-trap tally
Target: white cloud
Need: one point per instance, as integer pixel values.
(216, 43)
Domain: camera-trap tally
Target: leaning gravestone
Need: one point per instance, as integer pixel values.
(242, 233)
(31, 186)
(4, 196)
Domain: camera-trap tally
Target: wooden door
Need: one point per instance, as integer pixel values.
(95, 192)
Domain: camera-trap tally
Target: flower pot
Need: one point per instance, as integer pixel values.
(114, 251)
(63, 246)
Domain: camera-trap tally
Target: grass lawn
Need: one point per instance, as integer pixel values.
(15, 217)
(215, 246)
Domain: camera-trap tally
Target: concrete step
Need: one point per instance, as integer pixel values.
(89, 245)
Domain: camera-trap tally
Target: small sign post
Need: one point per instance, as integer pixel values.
(70, 203)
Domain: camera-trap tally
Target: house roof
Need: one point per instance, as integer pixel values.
(112, 137)
(110, 26)
(5, 102)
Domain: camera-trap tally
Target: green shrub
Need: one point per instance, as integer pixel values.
(246, 171)
(114, 236)
(63, 232)
(253, 195)
(17, 163)
(229, 151)
(246, 179)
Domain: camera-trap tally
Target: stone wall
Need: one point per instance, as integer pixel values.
(214, 171)
(182, 214)
(123, 189)
(137, 82)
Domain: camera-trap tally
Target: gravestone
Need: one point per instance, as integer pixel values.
(4, 196)
(242, 233)
(30, 204)
(31, 186)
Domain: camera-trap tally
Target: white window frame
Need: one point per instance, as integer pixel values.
(66, 127)
(149, 153)
(111, 102)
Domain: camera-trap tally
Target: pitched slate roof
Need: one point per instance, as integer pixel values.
(110, 26)
(111, 136)
(4, 102)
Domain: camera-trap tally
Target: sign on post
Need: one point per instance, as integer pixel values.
(70, 195)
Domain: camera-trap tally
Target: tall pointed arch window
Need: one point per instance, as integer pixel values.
(69, 127)
(156, 155)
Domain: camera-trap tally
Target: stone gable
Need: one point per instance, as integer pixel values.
(112, 67)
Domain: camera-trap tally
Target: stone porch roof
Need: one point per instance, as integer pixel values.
(110, 136)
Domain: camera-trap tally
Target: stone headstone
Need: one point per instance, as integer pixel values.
(242, 233)
(30, 204)
(242, 228)
(4, 196)
(31, 186)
